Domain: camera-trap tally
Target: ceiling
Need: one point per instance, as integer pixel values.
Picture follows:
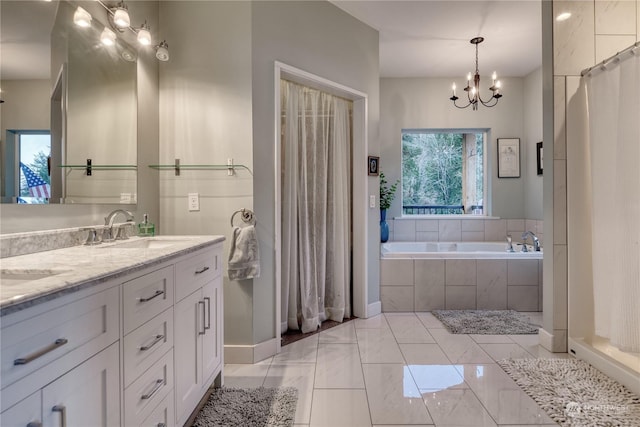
(429, 38)
(422, 38)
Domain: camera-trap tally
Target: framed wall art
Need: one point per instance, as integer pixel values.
(373, 165)
(508, 157)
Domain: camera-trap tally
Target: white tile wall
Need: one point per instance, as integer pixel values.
(615, 17)
(450, 230)
(559, 201)
(573, 41)
(559, 123)
(495, 230)
(461, 284)
(404, 230)
(609, 45)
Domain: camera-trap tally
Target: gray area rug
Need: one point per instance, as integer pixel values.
(485, 322)
(574, 393)
(251, 407)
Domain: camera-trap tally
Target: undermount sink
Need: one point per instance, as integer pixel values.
(147, 243)
(16, 277)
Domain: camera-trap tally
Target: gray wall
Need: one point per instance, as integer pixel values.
(423, 103)
(319, 38)
(533, 203)
(205, 118)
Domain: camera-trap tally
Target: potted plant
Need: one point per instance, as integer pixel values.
(387, 193)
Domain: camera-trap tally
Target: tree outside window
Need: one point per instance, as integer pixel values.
(442, 172)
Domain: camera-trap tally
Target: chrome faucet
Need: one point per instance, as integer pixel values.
(534, 240)
(108, 223)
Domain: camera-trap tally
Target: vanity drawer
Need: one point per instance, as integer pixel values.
(146, 393)
(162, 415)
(84, 327)
(146, 344)
(147, 296)
(197, 270)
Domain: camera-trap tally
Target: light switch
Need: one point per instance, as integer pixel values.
(194, 202)
(372, 201)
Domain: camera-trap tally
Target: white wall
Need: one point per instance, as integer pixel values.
(424, 103)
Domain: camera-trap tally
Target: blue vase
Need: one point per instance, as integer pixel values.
(384, 227)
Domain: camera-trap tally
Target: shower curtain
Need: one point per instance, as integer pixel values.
(613, 102)
(316, 211)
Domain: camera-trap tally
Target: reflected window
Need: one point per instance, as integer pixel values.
(34, 166)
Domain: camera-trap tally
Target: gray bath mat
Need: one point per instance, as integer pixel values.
(574, 393)
(485, 322)
(250, 407)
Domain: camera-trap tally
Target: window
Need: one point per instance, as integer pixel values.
(33, 167)
(442, 172)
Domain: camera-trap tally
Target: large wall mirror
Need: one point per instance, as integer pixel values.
(69, 120)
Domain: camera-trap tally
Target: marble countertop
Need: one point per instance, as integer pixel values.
(78, 267)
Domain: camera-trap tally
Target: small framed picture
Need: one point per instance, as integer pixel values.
(508, 157)
(539, 157)
(373, 165)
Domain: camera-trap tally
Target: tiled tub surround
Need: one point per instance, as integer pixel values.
(82, 266)
(456, 229)
(432, 284)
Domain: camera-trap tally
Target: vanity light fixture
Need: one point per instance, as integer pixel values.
(144, 36)
(162, 51)
(473, 92)
(82, 18)
(108, 37)
(121, 16)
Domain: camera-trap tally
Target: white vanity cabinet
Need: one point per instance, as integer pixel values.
(60, 362)
(137, 349)
(198, 328)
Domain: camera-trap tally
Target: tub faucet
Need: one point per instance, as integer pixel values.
(108, 223)
(534, 240)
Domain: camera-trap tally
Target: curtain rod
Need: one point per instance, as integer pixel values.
(615, 58)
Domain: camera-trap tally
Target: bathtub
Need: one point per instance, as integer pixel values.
(425, 276)
(455, 250)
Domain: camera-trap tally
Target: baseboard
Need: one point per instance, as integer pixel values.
(250, 354)
(374, 309)
(556, 342)
(605, 364)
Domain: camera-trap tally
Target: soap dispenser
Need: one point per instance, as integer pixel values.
(146, 228)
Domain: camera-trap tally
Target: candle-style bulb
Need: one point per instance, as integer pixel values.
(469, 77)
(494, 76)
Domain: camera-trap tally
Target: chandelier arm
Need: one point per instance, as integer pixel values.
(488, 103)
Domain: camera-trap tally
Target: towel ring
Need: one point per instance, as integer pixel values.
(247, 216)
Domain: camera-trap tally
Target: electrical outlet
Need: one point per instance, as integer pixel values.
(194, 202)
(372, 201)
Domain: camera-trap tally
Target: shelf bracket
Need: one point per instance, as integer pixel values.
(176, 166)
(89, 167)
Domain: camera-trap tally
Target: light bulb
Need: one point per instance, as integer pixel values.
(473, 90)
(82, 18)
(453, 88)
(494, 76)
(498, 84)
(469, 77)
(563, 16)
(108, 37)
(121, 16)
(162, 51)
(144, 36)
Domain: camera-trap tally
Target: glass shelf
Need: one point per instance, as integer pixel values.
(96, 167)
(178, 166)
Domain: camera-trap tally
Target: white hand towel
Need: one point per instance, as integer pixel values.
(244, 256)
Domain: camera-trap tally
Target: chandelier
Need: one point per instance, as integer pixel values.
(473, 91)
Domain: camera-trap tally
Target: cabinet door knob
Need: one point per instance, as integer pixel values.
(208, 324)
(156, 340)
(204, 315)
(202, 270)
(157, 294)
(33, 356)
(34, 424)
(63, 414)
(159, 384)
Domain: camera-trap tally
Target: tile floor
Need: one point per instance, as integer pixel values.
(401, 369)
